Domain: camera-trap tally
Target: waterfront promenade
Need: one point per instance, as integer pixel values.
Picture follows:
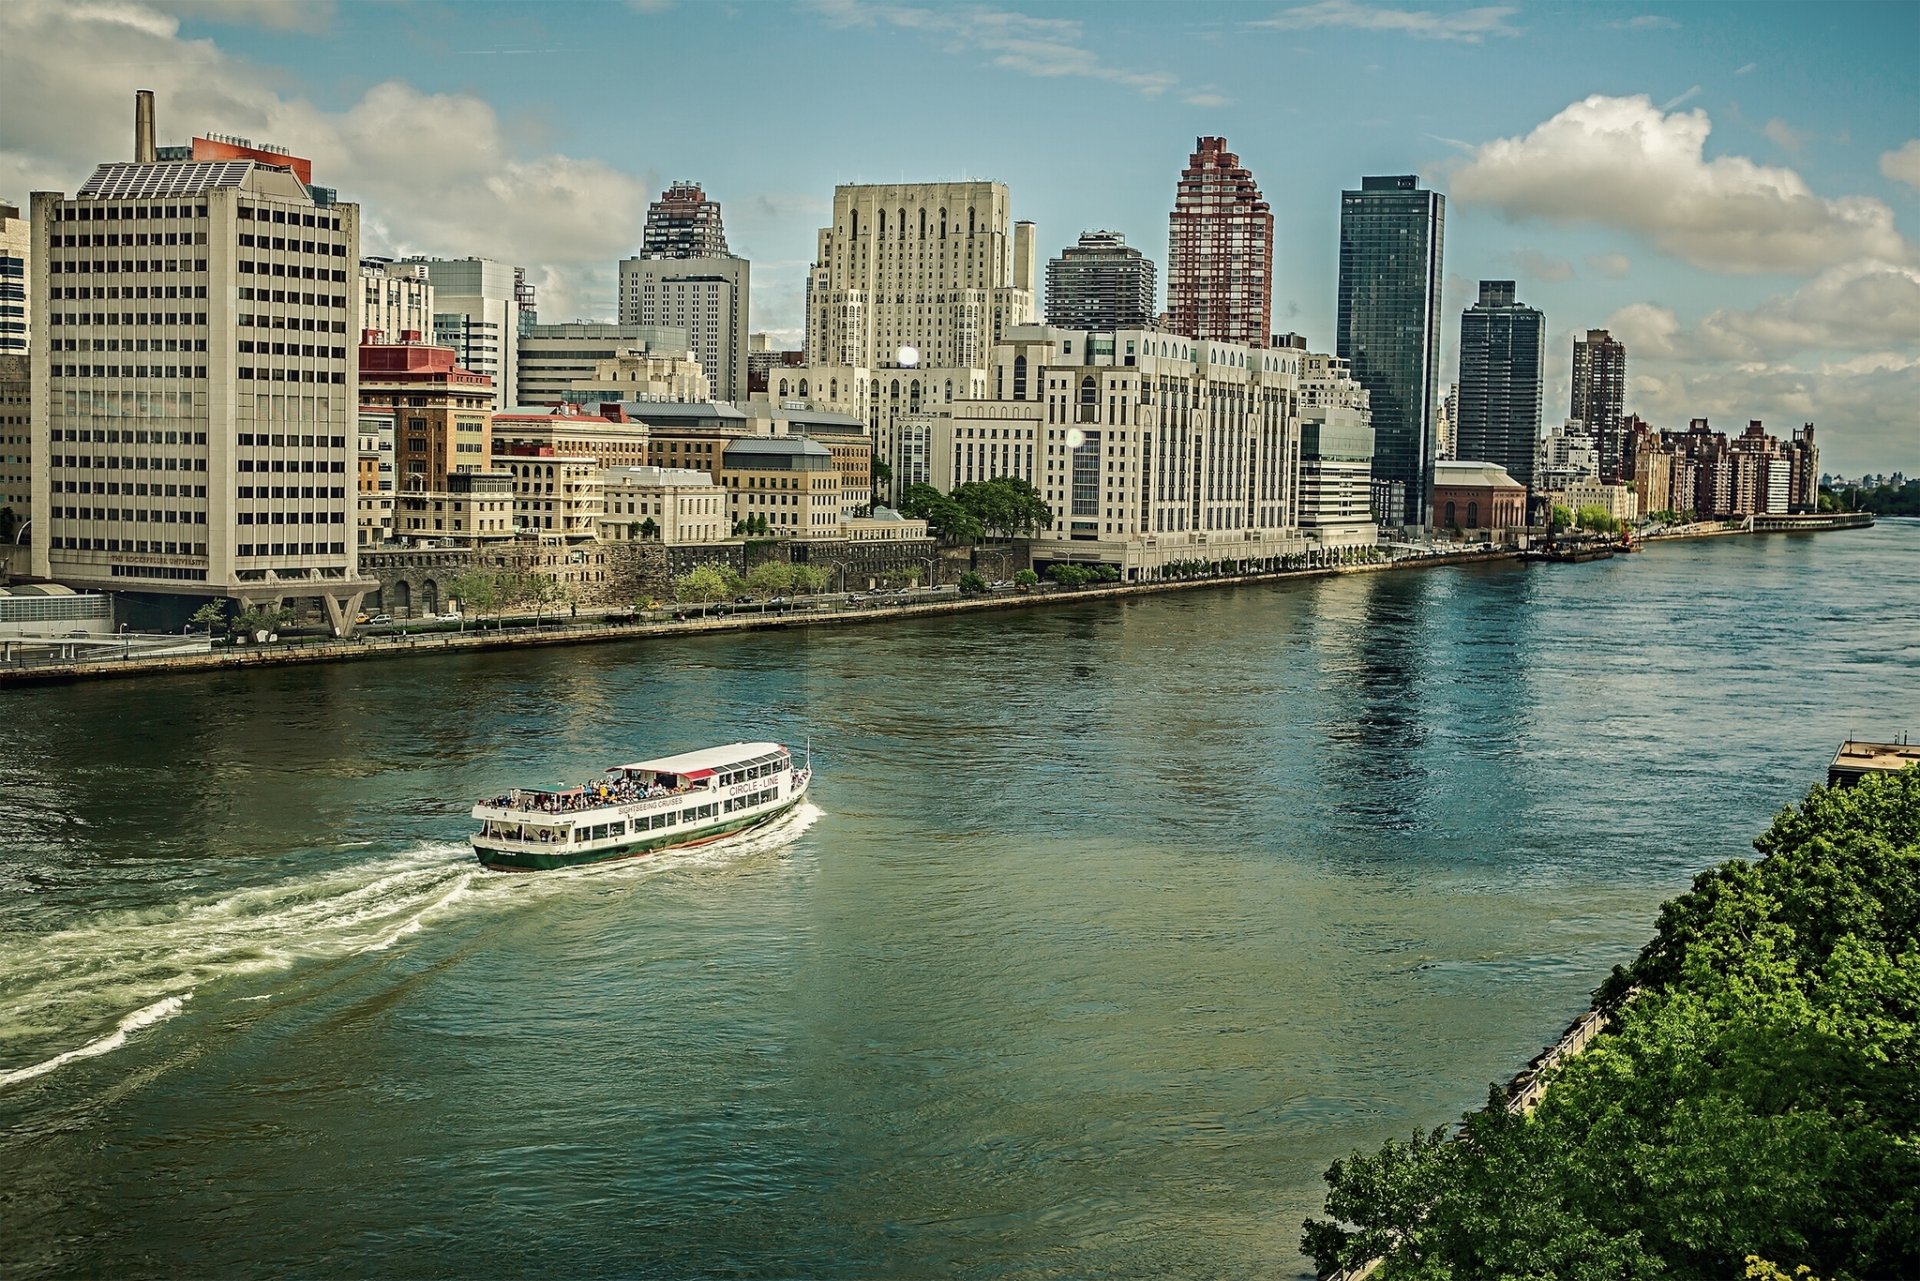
(821, 611)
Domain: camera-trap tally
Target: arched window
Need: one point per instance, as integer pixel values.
(923, 223)
(1088, 396)
(895, 395)
(883, 224)
(1450, 518)
(913, 394)
(903, 224)
(855, 234)
(1019, 377)
(833, 392)
(803, 388)
(969, 220)
(1473, 515)
(949, 390)
(943, 224)
(783, 386)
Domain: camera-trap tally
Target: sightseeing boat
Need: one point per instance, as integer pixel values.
(636, 809)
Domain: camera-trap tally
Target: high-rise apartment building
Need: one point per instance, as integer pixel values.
(685, 278)
(1336, 454)
(194, 383)
(16, 239)
(477, 311)
(1220, 250)
(395, 300)
(706, 298)
(683, 223)
(1501, 345)
(1388, 328)
(1100, 283)
(1599, 394)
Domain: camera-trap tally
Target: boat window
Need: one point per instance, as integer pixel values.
(616, 829)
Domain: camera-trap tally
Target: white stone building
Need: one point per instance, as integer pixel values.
(476, 311)
(394, 299)
(683, 504)
(1336, 454)
(555, 496)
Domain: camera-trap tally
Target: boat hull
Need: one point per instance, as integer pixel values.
(498, 860)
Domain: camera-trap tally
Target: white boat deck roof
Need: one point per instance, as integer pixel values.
(709, 758)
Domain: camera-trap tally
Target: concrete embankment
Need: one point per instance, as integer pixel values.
(355, 650)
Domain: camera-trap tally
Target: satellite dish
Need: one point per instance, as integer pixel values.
(909, 356)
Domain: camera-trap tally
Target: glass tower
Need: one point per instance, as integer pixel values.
(1501, 343)
(1389, 329)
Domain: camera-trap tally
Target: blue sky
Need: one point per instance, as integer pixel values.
(1732, 188)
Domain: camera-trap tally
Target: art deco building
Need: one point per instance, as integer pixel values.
(683, 223)
(1599, 394)
(194, 381)
(685, 278)
(1220, 250)
(1388, 329)
(1502, 343)
(1100, 283)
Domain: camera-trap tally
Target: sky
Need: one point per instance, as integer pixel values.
(1731, 189)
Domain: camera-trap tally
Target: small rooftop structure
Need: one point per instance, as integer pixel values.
(1855, 760)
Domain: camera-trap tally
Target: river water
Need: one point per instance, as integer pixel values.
(1107, 929)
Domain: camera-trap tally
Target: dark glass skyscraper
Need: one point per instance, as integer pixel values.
(1100, 283)
(1600, 394)
(1391, 233)
(1501, 342)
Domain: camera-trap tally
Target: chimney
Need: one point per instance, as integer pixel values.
(143, 127)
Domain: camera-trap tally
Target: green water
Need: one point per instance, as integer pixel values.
(1107, 928)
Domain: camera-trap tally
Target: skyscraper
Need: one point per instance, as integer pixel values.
(1501, 343)
(1391, 233)
(1220, 250)
(15, 238)
(1600, 393)
(683, 223)
(176, 449)
(476, 311)
(684, 277)
(1100, 283)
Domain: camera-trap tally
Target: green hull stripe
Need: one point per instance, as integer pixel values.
(539, 861)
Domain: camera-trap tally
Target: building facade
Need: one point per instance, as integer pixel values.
(477, 312)
(1100, 283)
(677, 506)
(475, 507)
(1477, 498)
(556, 496)
(1392, 234)
(1717, 477)
(554, 358)
(16, 249)
(442, 414)
(195, 385)
(705, 298)
(1336, 454)
(607, 434)
(1220, 250)
(395, 300)
(1502, 343)
(789, 481)
(1599, 395)
(683, 223)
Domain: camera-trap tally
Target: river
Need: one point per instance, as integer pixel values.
(1106, 929)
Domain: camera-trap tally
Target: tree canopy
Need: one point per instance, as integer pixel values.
(1006, 506)
(1756, 1105)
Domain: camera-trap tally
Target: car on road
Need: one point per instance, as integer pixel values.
(380, 620)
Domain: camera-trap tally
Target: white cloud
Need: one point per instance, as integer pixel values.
(433, 173)
(1746, 70)
(1902, 164)
(1842, 351)
(1045, 47)
(1534, 265)
(1623, 163)
(279, 15)
(1468, 25)
(1206, 99)
(1646, 22)
(1612, 266)
(1785, 134)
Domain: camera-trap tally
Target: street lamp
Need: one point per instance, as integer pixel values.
(928, 561)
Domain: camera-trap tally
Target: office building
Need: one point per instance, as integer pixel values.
(477, 308)
(1336, 454)
(1502, 342)
(16, 240)
(1388, 328)
(1100, 283)
(707, 299)
(194, 384)
(1599, 395)
(553, 359)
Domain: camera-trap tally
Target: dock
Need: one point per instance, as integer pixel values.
(1856, 759)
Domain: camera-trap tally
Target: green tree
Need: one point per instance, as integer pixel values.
(1004, 505)
(882, 478)
(972, 584)
(649, 528)
(917, 501)
(1025, 578)
(703, 585)
(478, 592)
(1561, 517)
(1595, 517)
(211, 617)
(769, 578)
(809, 580)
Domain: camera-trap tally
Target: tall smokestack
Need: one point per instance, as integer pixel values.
(143, 127)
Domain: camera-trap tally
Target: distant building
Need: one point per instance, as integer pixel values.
(1565, 455)
(1477, 498)
(790, 481)
(683, 223)
(1444, 418)
(442, 414)
(16, 442)
(763, 358)
(1502, 343)
(1599, 395)
(1388, 329)
(475, 507)
(1100, 283)
(1220, 250)
(1717, 478)
(707, 298)
(605, 433)
(395, 300)
(476, 311)
(553, 359)
(16, 309)
(673, 506)
(1336, 454)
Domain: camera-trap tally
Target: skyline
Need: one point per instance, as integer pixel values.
(1733, 203)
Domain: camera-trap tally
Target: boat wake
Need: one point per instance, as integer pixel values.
(81, 982)
(78, 985)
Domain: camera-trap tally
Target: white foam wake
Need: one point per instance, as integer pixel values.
(165, 1008)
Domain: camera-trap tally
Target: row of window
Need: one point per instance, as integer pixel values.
(276, 440)
(290, 491)
(129, 266)
(162, 571)
(89, 212)
(138, 463)
(251, 373)
(141, 547)
(278, 465)
(249, 268)
(249, 241)
(111, 436)
(128, 371)
(127, 344)
(288, 518)
(290, 549)
(136, 240)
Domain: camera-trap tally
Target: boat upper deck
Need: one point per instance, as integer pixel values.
(648, 782)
